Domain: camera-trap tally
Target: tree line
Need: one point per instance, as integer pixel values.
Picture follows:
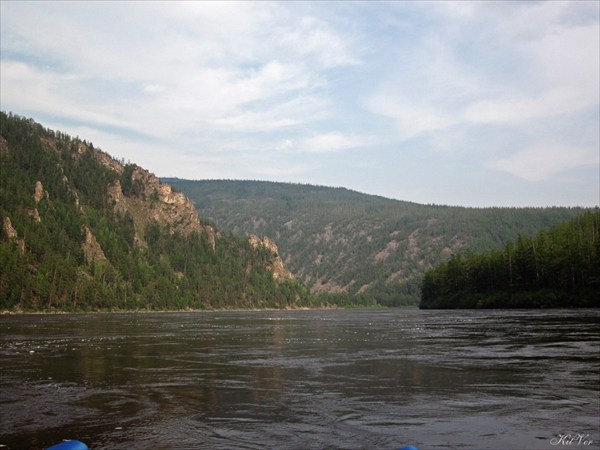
(558, 267)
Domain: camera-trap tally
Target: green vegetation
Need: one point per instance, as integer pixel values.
(559, 267)
(67, 243)
(44, 263)
(356, 249)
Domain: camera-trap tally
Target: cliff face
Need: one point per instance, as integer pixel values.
(153, 200)
(276, 267)
(147, 199)
(12, 235)
(92, 251)
(82, 230)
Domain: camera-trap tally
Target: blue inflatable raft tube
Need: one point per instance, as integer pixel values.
(69, 445)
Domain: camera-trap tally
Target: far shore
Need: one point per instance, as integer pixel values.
(187, 310)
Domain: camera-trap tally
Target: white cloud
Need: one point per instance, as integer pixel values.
(426, 89)
(543, 160)
(228, 89)
(411, 118)
(518, 110)
(313, 37)
(566, 63)
(298, 110)
(284, 145)
(154, 88)
(27, 88)
(181, 64)
(330, 143)
(555, 69)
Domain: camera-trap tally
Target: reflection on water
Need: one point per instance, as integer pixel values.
(351, 379)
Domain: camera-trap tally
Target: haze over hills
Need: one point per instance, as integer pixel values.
(360, 248)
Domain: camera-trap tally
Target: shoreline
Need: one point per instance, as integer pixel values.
(150, 311)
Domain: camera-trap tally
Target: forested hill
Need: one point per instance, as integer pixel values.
(83, 231)
(363, 248)
(559, 267)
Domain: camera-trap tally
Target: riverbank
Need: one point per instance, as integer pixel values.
(150, 311)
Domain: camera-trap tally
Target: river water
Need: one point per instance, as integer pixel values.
(335, 379)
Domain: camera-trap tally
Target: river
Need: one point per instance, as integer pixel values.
(333, 379)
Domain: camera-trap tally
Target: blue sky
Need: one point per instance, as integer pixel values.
(466, 103)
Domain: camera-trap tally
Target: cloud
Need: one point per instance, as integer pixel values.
(330, 143)
(294, 89)
(313, 37)
(297, 110)
(154, 88)
(553, 70)
(51, 93)
(517, 110)
(543, 160)
(426, 88)
(284, 145)
(212, 64)
(411, 118)
(565, 61)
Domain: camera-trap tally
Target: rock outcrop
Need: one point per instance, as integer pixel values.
(108, 161)
(38, 192)
(167, 206)
(12, 235)
(279, 271)
(9, 230)
(156, 201)
(34, 214)
(92, 252)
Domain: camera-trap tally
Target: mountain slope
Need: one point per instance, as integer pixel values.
(339, 241)
(81, 230)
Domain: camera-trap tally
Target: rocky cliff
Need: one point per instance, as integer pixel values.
(276, 267)
(83, 230)
(150, 200)
(153, 200)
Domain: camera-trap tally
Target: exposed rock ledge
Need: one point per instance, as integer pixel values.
(156, 201)
(276, 267)
(92, 251)
(12, 235)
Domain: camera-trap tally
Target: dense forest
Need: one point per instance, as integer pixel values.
(559, 267)
(66, 244)
(358, 249)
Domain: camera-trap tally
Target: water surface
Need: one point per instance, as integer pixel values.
(347, 379)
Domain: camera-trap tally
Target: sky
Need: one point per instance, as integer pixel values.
(467, 103)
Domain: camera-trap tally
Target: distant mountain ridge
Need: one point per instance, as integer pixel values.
(360, 248)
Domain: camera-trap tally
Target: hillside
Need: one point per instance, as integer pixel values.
(83, 231)
(559, 267)
(359, 248)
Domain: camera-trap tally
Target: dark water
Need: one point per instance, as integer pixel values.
(353, 379)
